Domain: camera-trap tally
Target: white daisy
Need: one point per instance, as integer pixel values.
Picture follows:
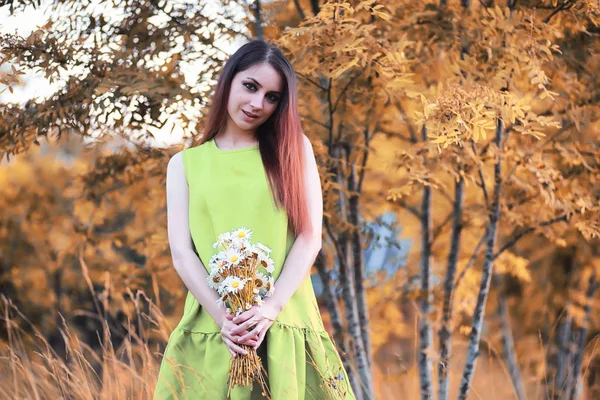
(270, 286)
(260, 280)
(222, 240)
(233, 257)
(233, 284)
(262, 257)
(216, 261)
(214, 279)
(242, 234)
(270, 267)
(258, 300)
(261, 247)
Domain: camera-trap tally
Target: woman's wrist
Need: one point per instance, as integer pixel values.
(275, 304)
(219, 317)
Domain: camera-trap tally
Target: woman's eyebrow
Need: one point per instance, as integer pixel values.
(259, 85)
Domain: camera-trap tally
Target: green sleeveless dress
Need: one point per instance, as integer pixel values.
(228, 189)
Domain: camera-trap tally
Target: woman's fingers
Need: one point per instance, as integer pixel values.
(243, 317)
(233, 353)
(233, 346)
(243, 327)
(261, 337)
(233, 340)
(254, 332)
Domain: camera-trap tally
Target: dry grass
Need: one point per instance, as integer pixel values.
(31, 369)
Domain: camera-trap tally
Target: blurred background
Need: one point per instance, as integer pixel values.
(458, 146)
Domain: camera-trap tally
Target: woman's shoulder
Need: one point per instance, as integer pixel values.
(195, 150)
(180, 161)
(182, 155)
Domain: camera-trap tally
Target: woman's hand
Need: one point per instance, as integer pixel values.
(253, 324)
(232, 340)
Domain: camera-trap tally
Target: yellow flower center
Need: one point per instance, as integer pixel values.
(235, 284)
(233, 258)
(241, 234)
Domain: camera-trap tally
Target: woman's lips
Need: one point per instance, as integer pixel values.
(250, 116)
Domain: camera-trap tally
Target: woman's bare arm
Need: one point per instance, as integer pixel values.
(304, 251)
(185, 261)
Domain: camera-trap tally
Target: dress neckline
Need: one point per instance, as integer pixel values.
(230, 151)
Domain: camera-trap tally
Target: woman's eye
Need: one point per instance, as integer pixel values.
(273, 99)
(250, 86)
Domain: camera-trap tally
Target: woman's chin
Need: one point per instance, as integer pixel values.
(246, 126)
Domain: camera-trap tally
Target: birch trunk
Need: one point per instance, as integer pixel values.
(574, 390)
(258, 22)
(364, 388)
(508, 343)
(425, 332)
(486, 273)
(331, 303)
(562, 365)
(445, 332)
(359, 264)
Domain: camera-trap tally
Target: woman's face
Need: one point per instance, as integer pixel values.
(254, 96)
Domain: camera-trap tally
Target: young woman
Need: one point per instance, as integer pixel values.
(254, 168)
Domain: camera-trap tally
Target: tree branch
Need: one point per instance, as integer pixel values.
(343, 92)
(472, 259)
(411, 128)
(482, 184)
(308, 79)
(438, 230)
(300, 10)
(562, 6)
(526, 231)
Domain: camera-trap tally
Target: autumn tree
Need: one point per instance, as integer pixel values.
(103, 217)
(476, 122)
(481, 99)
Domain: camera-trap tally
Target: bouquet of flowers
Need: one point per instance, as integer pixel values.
(242, 274)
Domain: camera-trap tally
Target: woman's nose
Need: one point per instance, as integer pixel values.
(257, 102)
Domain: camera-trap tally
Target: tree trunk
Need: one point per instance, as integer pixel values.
(508, 343)
(445, 332)
(339, 335)
(582, 338)
(486, 274)
(258, 20)
(563, 339)
(315, 6)
(363, 389)
(425, 332)
(359, 264)
(299, 9)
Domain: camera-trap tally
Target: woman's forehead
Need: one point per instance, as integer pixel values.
(265, 75)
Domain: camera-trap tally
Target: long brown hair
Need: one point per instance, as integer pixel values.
(280, 137)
